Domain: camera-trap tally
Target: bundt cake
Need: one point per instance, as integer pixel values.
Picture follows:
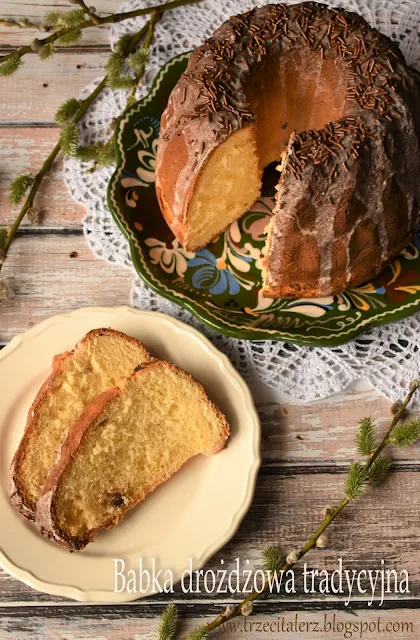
(336, 99)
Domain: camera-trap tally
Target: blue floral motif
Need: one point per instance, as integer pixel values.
(212, 274)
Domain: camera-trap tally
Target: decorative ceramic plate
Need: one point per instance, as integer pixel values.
(191, 516)
(221, 284)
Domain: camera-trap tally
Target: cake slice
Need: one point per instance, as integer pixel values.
(128, 441)
(98, 360)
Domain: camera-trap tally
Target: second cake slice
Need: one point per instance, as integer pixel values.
(129, 440)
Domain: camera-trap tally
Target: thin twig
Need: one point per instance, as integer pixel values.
(397, 418)
(92, 14)
(329, 518)
(22, 23)
(140, 73)
(111, 19)
(148, 28)
(29, 200)
(131, 46)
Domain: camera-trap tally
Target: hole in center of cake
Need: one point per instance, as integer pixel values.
(293, 93)
(270, 178)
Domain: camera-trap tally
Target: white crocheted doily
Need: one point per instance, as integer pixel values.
(388, 356)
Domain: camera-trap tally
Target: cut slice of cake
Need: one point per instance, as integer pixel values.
(96, 363)
(128, 441)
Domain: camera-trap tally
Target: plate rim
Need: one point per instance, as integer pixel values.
(220, 325)
(27, 576)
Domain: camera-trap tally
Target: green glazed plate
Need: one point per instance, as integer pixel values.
(221, 284)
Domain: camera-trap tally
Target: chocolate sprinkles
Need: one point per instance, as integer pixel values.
(372, 67)
(319, 147)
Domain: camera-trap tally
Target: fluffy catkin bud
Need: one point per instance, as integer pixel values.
(36, 45)
(395, 407)
(4, 290)
(246, 609)
(414, 385)
(34, 216)
(228, 611)
(327, 511)
(322, 541)
(293, 557)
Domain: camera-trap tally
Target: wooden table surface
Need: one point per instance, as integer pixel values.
(305, 448)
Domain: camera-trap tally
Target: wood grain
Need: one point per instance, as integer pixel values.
(22, 151)
(35, 10)
(302, 435)
(35, 92)
(45, 280)
(403, 624)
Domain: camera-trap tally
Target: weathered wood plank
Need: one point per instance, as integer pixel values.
(36, 91)
(22, 151)
(398, 623)
(285, 511)
(36, 9)
(45, 280)
(301, 434)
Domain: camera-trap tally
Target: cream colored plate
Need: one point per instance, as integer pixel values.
(191, 516)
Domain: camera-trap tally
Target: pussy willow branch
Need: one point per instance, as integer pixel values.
(85, 104)
(311, 543)
(146, 45)
(132, 95)
(22, 23)
(99, 21)
(44, 170)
